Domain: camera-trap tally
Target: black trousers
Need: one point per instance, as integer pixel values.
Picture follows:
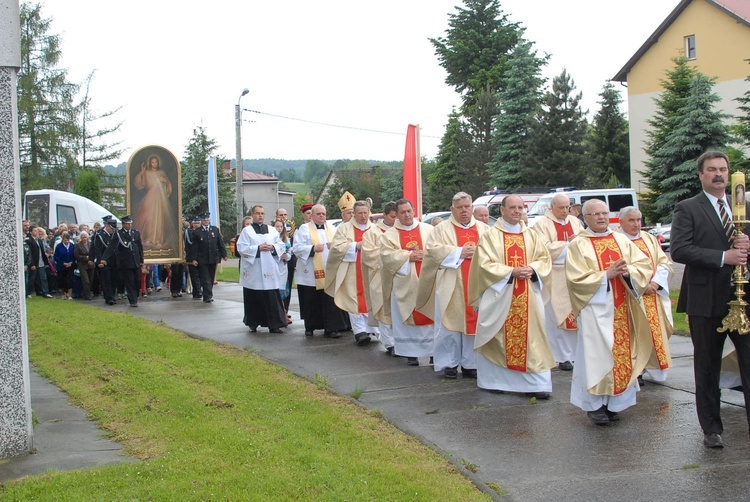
(708, 345)
(195, 280)
(131, 278)
(175, 282)
(108, 278)
(207, 272)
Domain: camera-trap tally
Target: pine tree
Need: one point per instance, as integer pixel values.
(94, 147)
(556, 154)
(742, 130)
(517, 103)
(608, 140)
(476, 50)
(195, 182)
(676, 87)
(47, 116)
(697, 127)
(447, 177)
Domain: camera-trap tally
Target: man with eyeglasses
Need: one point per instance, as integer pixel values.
(606, 276)
(557, 229)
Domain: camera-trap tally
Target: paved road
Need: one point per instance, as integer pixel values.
(543, 451)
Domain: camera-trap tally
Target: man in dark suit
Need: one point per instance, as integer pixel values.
(107, 274)
(704, 240)
(126, 247)
(195, 280)
(207, 250)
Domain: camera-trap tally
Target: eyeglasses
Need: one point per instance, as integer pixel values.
(598, 215)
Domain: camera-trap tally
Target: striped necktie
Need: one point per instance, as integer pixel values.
(725, 221)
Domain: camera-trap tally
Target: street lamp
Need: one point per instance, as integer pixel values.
(238, 169)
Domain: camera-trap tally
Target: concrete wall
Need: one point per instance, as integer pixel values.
(15, 397)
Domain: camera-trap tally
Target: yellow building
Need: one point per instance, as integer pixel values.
(715, 36)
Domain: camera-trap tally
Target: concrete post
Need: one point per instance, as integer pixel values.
(15, 397)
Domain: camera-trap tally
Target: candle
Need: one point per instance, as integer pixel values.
(738, 196)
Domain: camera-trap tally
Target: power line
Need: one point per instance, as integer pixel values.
(332, 125)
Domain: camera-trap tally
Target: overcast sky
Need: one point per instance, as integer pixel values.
(369, 66)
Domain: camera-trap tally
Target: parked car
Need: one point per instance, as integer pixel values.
(427, 218)
(662, 232)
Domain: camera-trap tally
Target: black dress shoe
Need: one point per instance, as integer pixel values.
(133, 304)
(389, 351)
(209, 300)
(412, 361)
(362, 338)
(539, 395)
(110, 302)
(308, 333)
(612, 415)
(332, 334)
(451, 373)
(253, 329)
(713, 440)
(275, 330)
(565, 366)
(468, 373)
(599, 417)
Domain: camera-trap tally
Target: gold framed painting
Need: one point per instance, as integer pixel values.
(154, 201)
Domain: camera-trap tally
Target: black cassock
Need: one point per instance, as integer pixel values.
(263, 307)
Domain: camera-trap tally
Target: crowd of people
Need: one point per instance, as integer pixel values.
(508, 303)
(502, 304)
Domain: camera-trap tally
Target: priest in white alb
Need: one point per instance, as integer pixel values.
(312, 243)
(509, 270)
(606, 275)
(444, 288)
(402, 252)
(557, 228)
(261, 248)
(655, 298)
(371, 265)
(344, 279)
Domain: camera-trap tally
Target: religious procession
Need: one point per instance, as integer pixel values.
(508, 303)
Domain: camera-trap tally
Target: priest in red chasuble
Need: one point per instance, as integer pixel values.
(557, 228)
(508, 272)
(402, 252)
(607, 274)
(655, 299)
(344, 279)
(444, 288)
(371, 265)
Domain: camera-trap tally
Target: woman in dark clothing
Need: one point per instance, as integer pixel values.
(85, 264)
(65, 264)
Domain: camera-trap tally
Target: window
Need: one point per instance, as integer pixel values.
(66, 214)
(617, 202)
(690, 47)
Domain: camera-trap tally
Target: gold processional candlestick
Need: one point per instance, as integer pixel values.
(737, 319)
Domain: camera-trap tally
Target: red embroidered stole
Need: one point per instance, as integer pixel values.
(412, 240)
(607, 252)
(650, 302)
(467, 236)
(563, 232)
(361, 303)
(517, 322)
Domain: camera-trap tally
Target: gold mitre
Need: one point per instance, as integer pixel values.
(346, 202)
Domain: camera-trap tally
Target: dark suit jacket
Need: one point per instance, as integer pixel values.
(698, 240)
(208, 247)
(127, 248)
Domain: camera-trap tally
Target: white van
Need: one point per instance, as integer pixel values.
(50, 207)
(616, 199)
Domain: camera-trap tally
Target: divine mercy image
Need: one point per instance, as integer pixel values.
(154, 201)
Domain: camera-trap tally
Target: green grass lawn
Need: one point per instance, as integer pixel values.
(228, 273)
(212, 422)
(680, 321)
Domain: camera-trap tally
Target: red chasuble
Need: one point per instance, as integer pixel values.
(412, 240)
(361, 303)
(607, 252)
(652, 312)
(467, 236)
(563, 232)
(517, 322)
